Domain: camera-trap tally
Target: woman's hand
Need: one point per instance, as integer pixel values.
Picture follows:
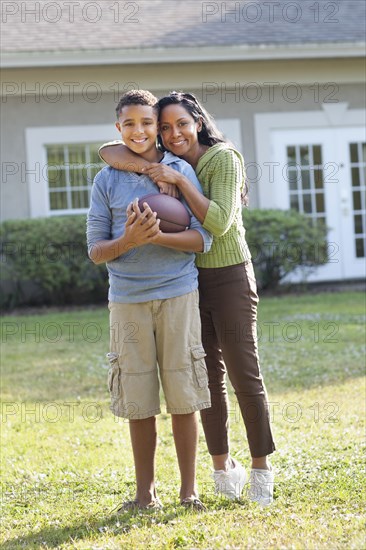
(162, 173)
(168, 189)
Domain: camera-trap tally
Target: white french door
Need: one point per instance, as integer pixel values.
(322, 174)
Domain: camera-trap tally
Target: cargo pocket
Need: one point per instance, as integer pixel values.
(114, 375)
(199, 366)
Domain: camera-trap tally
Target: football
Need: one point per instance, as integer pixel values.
(173, 215)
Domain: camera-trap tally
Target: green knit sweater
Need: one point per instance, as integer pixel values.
(221, 173)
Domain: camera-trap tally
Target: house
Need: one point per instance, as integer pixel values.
(283, 79)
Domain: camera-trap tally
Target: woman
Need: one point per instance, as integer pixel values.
(228, 294)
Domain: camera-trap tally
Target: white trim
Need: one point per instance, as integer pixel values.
(331, 115)
(243, 52)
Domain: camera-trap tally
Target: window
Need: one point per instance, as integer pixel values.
(306, 182)
(358, 177)
(71, 169)
(61, 164)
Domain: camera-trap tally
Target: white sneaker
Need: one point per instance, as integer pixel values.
(230, 483)
(261, 486)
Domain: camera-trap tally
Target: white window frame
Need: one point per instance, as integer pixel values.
(36, 156)
(36, 141)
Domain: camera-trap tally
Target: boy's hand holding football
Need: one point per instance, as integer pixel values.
(141, 227)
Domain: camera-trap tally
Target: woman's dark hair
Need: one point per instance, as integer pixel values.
(209, 134)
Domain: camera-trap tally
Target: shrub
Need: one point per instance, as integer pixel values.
(281, 241)
(45, 261)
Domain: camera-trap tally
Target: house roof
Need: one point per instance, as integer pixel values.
(133, 31)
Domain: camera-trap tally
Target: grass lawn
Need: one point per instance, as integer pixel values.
(66, 462)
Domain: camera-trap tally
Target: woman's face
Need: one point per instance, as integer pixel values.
(179, 130)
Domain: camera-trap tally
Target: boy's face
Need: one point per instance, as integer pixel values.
(138, 125)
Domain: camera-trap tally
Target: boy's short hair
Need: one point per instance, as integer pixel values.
(136, 97)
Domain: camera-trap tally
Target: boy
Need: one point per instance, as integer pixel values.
(153, 303)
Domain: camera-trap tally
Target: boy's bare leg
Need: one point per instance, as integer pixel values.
(143, 438)
(185, 431)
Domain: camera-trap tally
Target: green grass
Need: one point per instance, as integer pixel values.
(67, 462)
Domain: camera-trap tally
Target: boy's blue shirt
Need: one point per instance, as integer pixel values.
(148, 272)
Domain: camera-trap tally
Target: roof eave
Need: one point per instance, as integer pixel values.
(181, 55)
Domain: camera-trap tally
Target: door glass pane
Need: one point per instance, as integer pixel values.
(355, 177)
(357, 200)
(307, 203)
(358, 166)
(317, 155)
(360, 248)
(318, 179)
(358, 223)
(304, 155)
(293, 178)
(307, 195)
(294, 202)
(319, 197)
(354, 152)
(291, 156)
(305, 176)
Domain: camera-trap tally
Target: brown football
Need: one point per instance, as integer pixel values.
(173, 215)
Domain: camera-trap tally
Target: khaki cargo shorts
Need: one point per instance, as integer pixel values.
(152, 339)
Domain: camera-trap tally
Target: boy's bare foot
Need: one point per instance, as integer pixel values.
(193, 503)
(135, 505)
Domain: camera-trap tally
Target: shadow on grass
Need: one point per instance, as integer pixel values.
(111, 525)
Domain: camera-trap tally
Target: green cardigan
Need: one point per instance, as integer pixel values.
(221, 173)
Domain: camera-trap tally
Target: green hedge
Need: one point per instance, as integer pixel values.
(44, 261)
(282, 241)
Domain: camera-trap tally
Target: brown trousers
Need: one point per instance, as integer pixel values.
(228, 306)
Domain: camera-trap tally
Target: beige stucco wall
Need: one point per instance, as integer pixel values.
(87, 95)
